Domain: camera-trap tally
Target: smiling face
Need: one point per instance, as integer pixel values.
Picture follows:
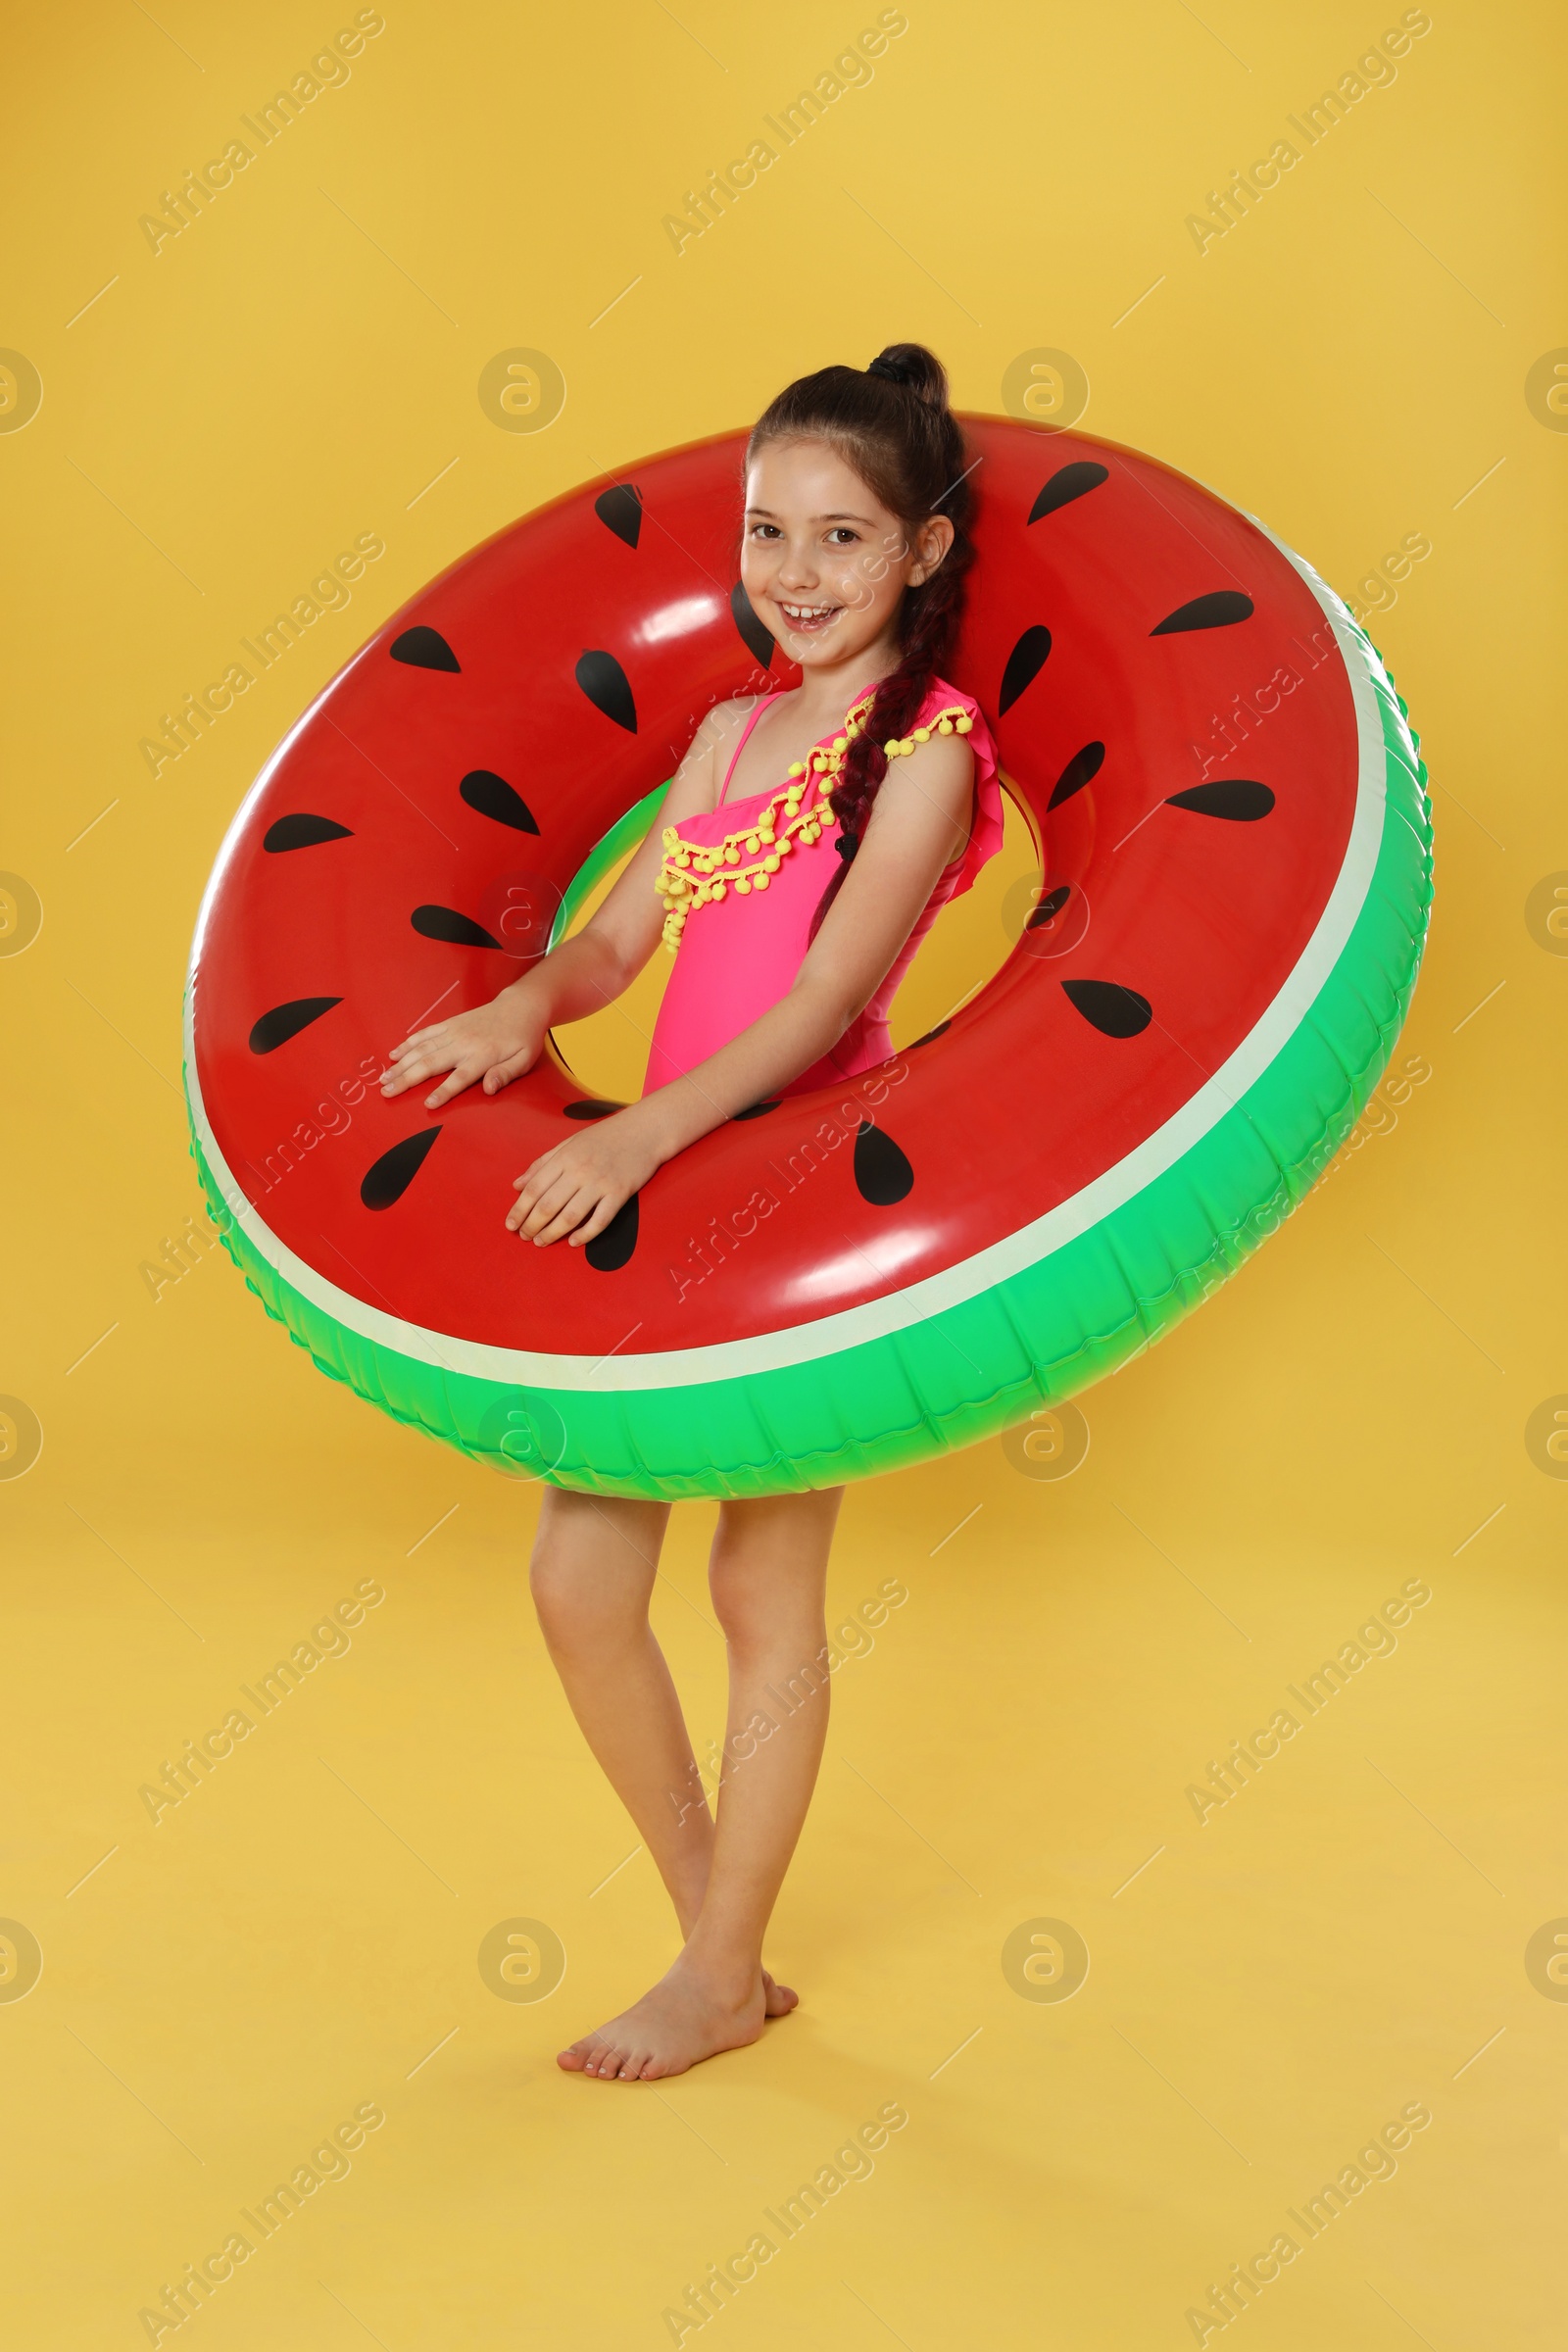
(824, 563)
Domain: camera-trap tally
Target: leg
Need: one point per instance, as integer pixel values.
(768, 1576)
(592, 1575)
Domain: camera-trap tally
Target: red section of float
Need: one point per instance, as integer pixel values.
(1168, 705)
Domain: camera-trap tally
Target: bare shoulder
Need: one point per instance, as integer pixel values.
(941, 764)
(725, 718)
(924, 801)
(698, 777)
(720, 726)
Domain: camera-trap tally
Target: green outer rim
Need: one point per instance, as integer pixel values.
(623, 835)
(975, 1369)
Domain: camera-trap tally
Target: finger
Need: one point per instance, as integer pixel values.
(502, 1073)
(580, 1204)
(539, 1170)
(550, 1201)
(406, 1059)
(410, 1073)
(462, 1074)
(417, 1037)
(536, 1186)
(609, 1206)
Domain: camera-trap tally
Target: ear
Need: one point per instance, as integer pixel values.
(932, 542)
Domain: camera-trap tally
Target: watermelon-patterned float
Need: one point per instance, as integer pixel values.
(1235, 844)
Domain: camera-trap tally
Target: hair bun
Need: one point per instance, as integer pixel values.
(919, 371)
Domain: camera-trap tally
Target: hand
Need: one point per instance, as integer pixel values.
(577, 1187)
(494, 1042)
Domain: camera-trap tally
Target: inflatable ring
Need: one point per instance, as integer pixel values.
(1235, 847)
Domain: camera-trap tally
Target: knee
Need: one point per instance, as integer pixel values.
(557, 1603)
(759, 1615)
(576, 1610)
(734, 1606)
(592, 1570)
(767, 1572)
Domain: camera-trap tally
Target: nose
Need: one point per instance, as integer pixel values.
(796, 571)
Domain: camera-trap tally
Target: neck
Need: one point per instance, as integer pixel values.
(826, 692)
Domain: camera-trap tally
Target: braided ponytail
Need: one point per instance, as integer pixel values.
(892, 423)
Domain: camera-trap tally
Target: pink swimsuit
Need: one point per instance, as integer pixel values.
(742, 883)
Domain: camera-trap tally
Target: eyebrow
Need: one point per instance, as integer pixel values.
(773, 518)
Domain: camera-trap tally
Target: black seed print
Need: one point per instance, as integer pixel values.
(303, 831)
(607, 688)
(1076, 774)
(1050, 907)
(1065, 484)
(882, 1174)
(611, 1249)
(940, 1030)
(592, 1110)
(1025, 662)
(755, 1109)
(424, 649)
(620, 510)
(447, 924)
(1236, 798)
(388, 1178)
(284, 1021)
(1114, 1011)
(1219, 610)
(759, 640)
(493, 797)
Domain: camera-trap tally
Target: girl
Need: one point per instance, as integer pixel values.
(854, 546)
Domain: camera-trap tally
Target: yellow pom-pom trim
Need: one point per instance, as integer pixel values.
(749, 858)
(745, 860)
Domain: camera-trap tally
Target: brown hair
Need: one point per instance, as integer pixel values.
(892, 423)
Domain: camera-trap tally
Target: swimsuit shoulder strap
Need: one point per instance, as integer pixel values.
(758, 708)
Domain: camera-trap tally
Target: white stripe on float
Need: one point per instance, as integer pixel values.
(954, 1286)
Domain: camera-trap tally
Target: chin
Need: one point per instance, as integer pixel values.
(816, 652)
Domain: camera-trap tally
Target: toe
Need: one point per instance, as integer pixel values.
(656, 2066)
(589, 2054)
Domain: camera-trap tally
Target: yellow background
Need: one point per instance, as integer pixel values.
(222, 1989)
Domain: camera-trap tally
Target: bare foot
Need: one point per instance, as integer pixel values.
(781, 1999)
(682, 2021)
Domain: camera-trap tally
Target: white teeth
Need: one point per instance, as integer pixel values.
(809, 611)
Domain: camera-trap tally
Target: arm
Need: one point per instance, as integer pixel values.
(498, 1041)
(918, 825)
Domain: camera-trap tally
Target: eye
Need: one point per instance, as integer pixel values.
(758, 528)
(843, 532)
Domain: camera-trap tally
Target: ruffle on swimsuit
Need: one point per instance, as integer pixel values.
(697, 873)
(754, 870)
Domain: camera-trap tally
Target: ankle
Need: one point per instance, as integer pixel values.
(734, 1978)
(688, 1896)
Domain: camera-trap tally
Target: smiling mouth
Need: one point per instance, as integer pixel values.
(808, 620)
